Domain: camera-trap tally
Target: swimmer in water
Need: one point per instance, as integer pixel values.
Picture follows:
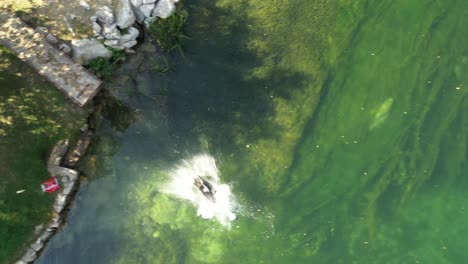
(205, 187)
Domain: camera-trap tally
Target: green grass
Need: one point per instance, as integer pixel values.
(33, 116)
(169, 32)
(161, 64)
(105, 68)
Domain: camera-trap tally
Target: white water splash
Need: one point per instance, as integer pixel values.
(181, 184)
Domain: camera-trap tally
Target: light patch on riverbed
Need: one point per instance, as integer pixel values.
(381, 113)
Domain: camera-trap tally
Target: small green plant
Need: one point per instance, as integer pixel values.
(169, 32)
(105, 68)
(117, 55)
(161, 64)
(101, 67)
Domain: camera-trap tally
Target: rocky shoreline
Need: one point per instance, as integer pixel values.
(118, 28)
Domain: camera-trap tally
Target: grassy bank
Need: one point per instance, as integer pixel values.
(33, 116)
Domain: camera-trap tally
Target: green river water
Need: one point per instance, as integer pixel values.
(341, 127)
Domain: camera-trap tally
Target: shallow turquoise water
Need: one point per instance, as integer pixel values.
(341, 128)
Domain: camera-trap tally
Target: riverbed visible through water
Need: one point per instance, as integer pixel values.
(340, 128)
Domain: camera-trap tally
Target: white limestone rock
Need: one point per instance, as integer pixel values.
(55, 223)
(164, 9)
(60, 203)
(65, 180)
(110, 32)
(45, 236)
(130, 36)
(85, 5)
(30, 256)
(113, 43)
(136, 3)
(96, 29)
(85, 50)
(38, 245)
(60, 171)
(124, 14)
(57, 153)
(68, 189)
(147, 9)
(105, 15)
(128, 45)
(139, 16)
(145, 2)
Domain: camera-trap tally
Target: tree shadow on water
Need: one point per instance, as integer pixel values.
(217, 93)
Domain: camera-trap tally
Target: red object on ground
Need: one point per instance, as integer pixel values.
(51, 185)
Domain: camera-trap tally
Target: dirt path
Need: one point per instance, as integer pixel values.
(64, 18)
